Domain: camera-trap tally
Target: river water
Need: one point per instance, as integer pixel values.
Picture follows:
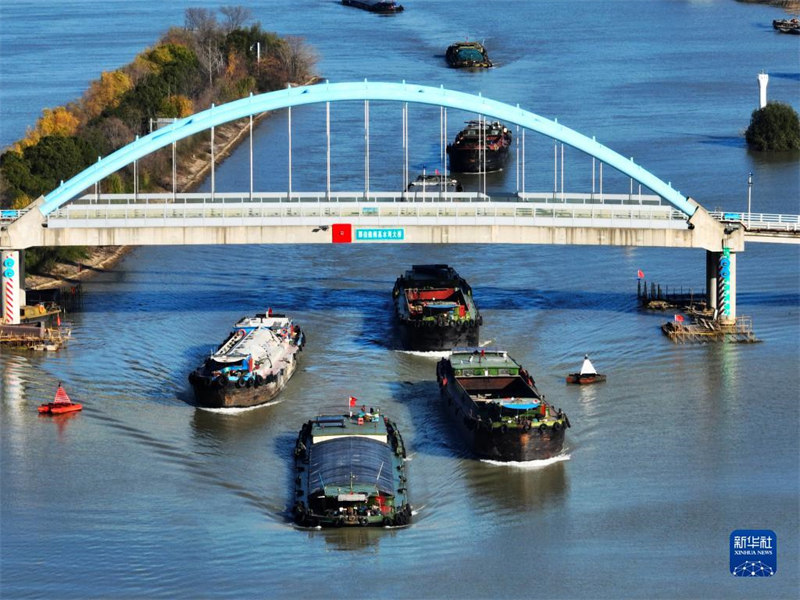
(143, 496)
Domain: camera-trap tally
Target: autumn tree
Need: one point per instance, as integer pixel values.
(106, 92)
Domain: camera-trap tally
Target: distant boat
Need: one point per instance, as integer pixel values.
(482, 146)
(61, 404)
(376, 6)
(467, 55)
(435, 183)
(588, 374)
(787, 25)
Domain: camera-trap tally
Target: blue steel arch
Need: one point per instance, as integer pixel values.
(335, 92)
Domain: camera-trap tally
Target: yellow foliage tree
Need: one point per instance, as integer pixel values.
(54, 121)
(21, 202)
(106, 92)
(177, 106)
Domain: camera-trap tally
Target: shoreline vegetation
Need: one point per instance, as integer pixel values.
(189, 68)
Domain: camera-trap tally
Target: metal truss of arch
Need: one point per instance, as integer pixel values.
(336, 92)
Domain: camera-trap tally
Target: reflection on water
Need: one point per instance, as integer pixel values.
(14, 367)
(352, 538)
(512, 490)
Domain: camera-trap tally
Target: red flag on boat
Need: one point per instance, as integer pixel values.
(353, 401)
(679, 318)
(640, 274)
(269, 312)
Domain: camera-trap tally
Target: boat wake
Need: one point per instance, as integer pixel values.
(429, 354)
(529, 465)
(237, 410)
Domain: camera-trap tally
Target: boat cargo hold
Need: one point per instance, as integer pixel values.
(468, 55)
(252, 365)
(434, 309)
(350, 471)
(497, 408)
(480, 147)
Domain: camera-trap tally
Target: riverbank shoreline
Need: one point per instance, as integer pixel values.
(190, 175)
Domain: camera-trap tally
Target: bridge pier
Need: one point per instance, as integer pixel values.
(13, 292)
(721, 284)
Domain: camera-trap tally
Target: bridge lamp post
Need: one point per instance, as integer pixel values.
(749, 196)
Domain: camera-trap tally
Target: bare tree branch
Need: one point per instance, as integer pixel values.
(236, 17)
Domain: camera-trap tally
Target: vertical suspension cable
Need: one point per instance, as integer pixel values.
(483, 150)
(523, 160)
(213, 174)
(516, 146)
(562, 171)
(441, 148)
(593, 174)
(366, 149)
(174, 167)
(251, 158)
(555, 168)
(328, 151)
(290, 153)
(97, 188)
(136, 178)
(405, 145)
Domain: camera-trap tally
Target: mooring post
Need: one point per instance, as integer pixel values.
(11, 278)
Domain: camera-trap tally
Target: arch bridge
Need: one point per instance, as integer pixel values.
(72, 215)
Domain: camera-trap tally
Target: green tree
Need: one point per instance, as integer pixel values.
(774, 128)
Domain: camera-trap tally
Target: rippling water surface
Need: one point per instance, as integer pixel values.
(143, 495)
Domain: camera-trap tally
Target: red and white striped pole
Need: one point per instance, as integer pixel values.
(9, 261)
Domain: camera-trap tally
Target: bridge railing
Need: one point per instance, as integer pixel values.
(382, 208)
(760, 221)
(431, 195)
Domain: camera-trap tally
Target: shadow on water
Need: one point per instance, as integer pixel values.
(434, 433)
(725, 140)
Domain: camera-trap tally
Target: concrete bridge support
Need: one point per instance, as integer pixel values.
(11, 264)
(721, 284)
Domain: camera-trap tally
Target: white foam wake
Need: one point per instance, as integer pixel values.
(529, 464)
(237, 410)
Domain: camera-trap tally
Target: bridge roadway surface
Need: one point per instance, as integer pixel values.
(429, 217)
